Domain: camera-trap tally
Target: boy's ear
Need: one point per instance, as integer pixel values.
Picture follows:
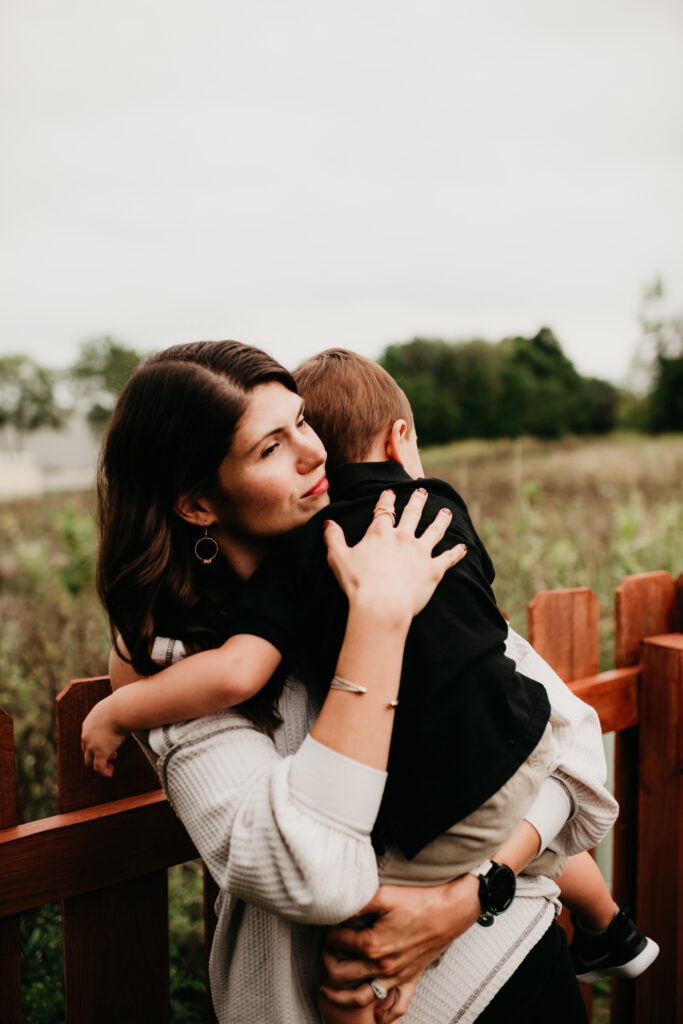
(396, 436)
(194, 510)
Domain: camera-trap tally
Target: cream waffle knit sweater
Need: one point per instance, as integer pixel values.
(284, 827)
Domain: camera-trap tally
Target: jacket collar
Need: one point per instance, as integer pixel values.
(346, 478)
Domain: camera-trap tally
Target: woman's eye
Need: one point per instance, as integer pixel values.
(303, 422)
(269, 450)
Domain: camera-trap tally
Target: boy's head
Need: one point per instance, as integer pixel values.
(357, 409)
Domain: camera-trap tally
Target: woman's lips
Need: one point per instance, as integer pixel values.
(318, 488)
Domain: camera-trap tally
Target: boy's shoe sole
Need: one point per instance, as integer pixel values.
(631, 969)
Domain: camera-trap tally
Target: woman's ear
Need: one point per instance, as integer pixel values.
(195, 510)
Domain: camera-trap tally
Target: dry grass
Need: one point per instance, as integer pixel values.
(571, 513)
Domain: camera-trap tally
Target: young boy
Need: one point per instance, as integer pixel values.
(471, 742)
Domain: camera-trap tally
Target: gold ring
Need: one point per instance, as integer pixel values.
(381, 511)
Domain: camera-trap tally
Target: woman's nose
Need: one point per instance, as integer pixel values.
(312, 452)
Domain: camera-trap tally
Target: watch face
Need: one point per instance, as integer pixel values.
(501, 888)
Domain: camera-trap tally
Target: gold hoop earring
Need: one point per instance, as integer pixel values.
(206, 559)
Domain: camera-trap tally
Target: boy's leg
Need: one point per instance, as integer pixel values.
(585, 892)
(607, 942)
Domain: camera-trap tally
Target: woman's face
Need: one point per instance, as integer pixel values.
(273, 478)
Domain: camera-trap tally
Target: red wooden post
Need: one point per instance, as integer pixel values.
(564, 627)
(659, 992)
(10, 938)
(115, 939)
(644, 605)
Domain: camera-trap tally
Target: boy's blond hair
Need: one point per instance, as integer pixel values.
(348, 401)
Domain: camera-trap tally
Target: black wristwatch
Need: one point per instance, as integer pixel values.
(497, 884)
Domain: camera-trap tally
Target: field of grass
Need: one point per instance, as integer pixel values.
(572, 513)
(552, 514)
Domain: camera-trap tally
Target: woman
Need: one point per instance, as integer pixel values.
(211, 435)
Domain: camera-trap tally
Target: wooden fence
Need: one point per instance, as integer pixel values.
(105, 855)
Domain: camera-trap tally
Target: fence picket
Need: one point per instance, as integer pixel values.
(563, 626)
(10, 935)
(644, 604)
(115, 939)
(659, 995)
(80, 788)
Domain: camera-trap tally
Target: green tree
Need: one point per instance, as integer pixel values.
(663, 344)
(478, 389)
(100, 372)
(27, 397)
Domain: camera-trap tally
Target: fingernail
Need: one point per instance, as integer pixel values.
(326, 523)
(421, 490)
(446, 511)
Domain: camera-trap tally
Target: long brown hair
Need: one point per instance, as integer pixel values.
(171, 429)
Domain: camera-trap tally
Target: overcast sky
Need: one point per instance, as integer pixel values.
(298, 174)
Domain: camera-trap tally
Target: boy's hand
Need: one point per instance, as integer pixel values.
(101, 736)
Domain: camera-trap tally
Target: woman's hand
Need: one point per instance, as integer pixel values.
(413, 926)
(390, 568)
(101, 737)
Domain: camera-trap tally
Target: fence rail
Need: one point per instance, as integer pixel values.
(106, 854)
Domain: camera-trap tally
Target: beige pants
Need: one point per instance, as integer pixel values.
(478, 836)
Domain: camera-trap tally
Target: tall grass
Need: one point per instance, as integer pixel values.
(571, 513)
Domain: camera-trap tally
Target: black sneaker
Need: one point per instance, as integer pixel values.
(620, 951)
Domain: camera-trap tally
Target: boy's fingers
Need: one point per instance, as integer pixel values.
(412, 512)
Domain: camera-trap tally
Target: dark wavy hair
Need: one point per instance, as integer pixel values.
(170, 431)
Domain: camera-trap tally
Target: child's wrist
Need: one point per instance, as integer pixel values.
(116, 713)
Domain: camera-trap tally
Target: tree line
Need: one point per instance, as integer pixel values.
(34, 396)
(529, 386)
(518, 386)
(457, 389)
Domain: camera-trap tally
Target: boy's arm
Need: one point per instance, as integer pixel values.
(198, 685)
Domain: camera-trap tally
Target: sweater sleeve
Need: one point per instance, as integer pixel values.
(578, 768)
(288, 834)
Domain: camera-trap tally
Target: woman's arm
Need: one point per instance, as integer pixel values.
(579, 766)
(413, 926)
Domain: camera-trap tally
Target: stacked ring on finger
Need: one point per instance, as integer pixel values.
(379, 990)
(381, 511)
